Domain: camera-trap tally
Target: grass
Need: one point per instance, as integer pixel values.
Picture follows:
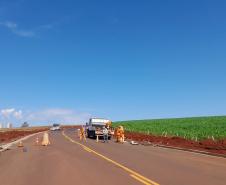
(195, 128)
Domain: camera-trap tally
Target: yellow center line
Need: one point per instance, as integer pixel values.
(140, 180)
(135, 174)
(87, 149)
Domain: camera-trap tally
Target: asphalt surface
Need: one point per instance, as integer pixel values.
(67, 161)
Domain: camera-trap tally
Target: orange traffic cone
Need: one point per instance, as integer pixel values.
(36, 141)
(20, 144)
(45, 140)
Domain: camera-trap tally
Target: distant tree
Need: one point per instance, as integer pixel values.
(25, 124)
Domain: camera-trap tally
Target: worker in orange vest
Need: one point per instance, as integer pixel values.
(118, 134)
(82, 134)
(121, 133)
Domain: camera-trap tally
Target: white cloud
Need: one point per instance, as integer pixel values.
(64, 116)
(11, 113)
(13, 27)
(18, 114)
(34, 32)
(8, 24)
(24, 33)
(7, 112)
(46, 26)
(44, 117)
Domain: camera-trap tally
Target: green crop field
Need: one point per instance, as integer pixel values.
(195, 128)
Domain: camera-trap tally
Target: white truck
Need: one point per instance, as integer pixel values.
(95, 127)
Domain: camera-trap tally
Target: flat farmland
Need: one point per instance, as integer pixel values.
(194, 128)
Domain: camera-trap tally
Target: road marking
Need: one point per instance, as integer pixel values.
(87, 149)
(135, 174)
(138, 179)
(8, 145)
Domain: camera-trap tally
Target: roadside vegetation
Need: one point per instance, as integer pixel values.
(194, 128)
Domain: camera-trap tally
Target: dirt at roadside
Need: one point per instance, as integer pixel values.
(8, 136)
(70, 126)
(218, 147)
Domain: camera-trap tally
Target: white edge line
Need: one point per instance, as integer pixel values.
(8, 145)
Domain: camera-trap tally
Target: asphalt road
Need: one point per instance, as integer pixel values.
(68, 161)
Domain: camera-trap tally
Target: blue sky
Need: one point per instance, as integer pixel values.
(64, 61)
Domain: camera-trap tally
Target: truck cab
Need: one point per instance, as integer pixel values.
(95, 127)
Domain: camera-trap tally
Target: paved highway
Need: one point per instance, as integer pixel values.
(68, 161)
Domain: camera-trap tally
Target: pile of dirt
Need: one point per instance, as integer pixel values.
(8, 136)
(218, 147)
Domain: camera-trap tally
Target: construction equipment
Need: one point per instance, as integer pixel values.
(20, 144)
(134, 143)
(45, 140)
(95, 127)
